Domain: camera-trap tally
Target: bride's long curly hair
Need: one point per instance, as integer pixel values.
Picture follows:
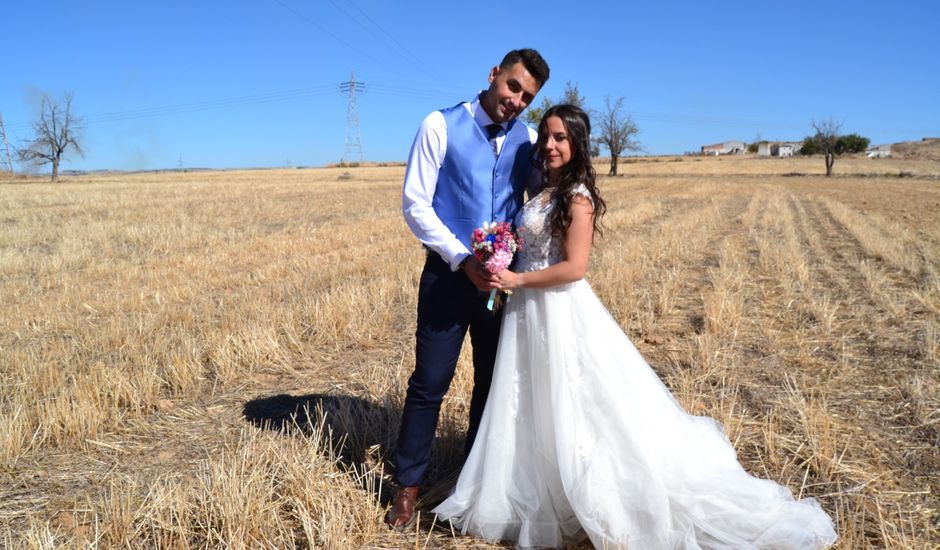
(578, 170)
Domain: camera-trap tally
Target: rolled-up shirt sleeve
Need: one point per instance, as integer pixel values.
(424, 164)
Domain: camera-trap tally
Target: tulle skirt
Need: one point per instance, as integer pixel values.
(581, 438)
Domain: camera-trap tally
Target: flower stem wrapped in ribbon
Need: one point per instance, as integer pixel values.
(494, 245)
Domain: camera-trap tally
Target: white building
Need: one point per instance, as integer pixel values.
(778, 148)
(878, 151)
(787, 149)
(725, 148)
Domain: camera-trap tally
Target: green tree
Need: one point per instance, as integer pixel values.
(853, 143)
(810, 147)
(573, 95)
(533, 115)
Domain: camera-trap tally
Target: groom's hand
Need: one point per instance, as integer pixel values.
(478, 275)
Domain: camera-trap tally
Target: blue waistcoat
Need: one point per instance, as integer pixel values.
(475, 186)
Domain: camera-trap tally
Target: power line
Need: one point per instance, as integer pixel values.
(408, 55)
(329, 33)
(198, 106)
(423, 93)
(395, 90)
(708, 120)
(255, 99)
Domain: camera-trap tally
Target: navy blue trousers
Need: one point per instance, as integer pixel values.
(448, 307)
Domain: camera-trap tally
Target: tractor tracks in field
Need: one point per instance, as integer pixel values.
(878, 307)
(883, 366)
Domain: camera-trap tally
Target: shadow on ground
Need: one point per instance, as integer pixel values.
(362, 434)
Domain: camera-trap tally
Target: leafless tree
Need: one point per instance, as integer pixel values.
(56, 131)
(827, 140)
(615, 131)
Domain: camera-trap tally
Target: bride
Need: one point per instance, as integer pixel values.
(579, 437)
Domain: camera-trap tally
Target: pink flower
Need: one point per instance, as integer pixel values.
(499, 261)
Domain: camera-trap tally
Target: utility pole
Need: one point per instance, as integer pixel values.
(6, 163)
(353, 137)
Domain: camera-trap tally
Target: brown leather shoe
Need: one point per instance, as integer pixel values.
(403, 508)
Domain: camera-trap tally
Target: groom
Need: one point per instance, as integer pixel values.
(468, 164)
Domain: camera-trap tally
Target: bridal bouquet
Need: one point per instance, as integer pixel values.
(494, 245)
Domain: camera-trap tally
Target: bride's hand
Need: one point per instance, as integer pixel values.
(507, 280)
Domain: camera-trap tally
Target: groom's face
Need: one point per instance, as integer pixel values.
(511, 90)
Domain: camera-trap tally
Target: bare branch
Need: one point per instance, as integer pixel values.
(828, 132)
(616, 131)
(57, 130)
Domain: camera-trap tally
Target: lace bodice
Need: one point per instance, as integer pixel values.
(540, 249)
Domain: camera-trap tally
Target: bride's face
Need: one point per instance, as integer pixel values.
(556, 147)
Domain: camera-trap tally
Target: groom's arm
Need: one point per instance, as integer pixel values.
(424, 164)
(535, 184)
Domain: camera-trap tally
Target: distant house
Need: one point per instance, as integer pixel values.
(778, 148)
(878, 151)
(787, 149)
(726, 148)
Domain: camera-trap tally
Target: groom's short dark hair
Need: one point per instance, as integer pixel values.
(531, 59)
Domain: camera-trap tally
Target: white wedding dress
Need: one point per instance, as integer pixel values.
(581, 438)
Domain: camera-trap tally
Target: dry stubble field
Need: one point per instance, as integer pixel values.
(218, 359)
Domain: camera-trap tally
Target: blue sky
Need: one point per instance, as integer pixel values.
(255, 83)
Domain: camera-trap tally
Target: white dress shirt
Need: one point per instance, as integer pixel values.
(424, 163)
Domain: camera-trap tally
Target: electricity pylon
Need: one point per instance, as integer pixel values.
(353, 137)
(6, 162)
